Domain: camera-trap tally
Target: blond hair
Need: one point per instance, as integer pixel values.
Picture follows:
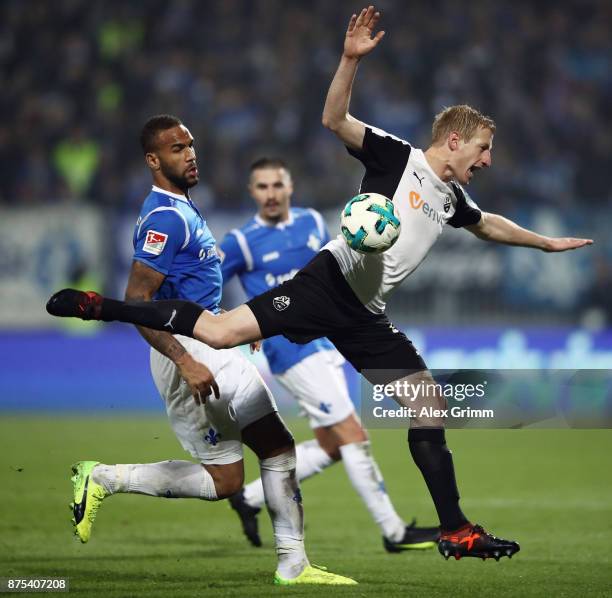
(463, 119)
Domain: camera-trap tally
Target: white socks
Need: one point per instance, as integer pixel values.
(311, 459)
(171, 479)
(184, 479)
(366, 478)
(284, 503)
(363, 473)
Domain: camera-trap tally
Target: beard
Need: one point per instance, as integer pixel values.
(180, 180)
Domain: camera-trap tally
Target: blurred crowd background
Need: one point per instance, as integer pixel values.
(249, 77)
(80, 77)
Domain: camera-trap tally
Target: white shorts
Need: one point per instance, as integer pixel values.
(319, 385)
(212, 432)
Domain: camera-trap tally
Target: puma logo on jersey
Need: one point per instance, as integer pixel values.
(168, 324)
(418, 178)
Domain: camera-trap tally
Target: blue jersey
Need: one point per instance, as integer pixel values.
(172, 237)
(265, 255)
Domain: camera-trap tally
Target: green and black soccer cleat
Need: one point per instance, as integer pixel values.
(473, 540)
(248, 517)
(415, 538)
(87, 499)
(315, 575)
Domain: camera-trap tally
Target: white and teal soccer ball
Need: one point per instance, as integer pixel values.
(369, 223)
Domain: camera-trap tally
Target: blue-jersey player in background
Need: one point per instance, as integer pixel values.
(265, 252)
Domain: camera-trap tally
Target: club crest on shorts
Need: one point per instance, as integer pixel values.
(281, 303)
(212, 437)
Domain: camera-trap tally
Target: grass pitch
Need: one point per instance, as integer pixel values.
(549, 489)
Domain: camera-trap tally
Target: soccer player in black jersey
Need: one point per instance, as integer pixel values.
(341, 294)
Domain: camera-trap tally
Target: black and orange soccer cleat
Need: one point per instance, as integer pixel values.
(70, 303)
(473, 540)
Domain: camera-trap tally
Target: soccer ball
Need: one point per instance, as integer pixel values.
(369, 223)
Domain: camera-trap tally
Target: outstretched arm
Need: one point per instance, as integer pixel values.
(493, 227)
(142, 285)
(358, 42)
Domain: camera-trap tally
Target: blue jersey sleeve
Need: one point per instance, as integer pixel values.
(232, 259)
(159, 238)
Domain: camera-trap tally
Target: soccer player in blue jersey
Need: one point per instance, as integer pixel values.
(175, 257)
(267, 251)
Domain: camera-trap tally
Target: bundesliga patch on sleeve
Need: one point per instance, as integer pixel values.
(155, 242)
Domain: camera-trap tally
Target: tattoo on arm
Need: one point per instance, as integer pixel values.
(164, 342)
(142, 285)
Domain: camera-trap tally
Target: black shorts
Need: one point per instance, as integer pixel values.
(319, 302)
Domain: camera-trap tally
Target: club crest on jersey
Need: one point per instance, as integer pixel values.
(281, 303)
(155, 242)
(447, 204)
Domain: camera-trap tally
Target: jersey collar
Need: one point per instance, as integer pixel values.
(438, 183)
(279, 225)
(174, 195)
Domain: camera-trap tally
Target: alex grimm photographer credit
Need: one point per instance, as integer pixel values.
(305, 294)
